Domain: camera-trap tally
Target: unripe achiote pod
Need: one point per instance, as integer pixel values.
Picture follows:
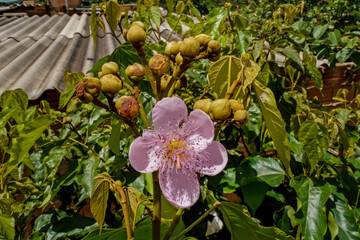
(189, 47)
(203, 104)
(220, 109)
(110, 84)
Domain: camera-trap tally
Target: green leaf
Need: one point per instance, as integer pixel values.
(194, 11)
(67, 94)
(7, 226)
(155, 15)
(242, 226)
(214, 20)
(314, 138)
(223, 73)
(93, 24)
(243, 40)
(114, 140)
(21, 145)
(344, 54)
(113, 13)
(345, 219)
(98, 201)
(170, 6)
(90, 171)
(335, 37)
(318, 31)
(258, 47)
(240, 22)
(14, 98)
(293, 55)
(180, 6)
(315, 75)
(254, 194)
(107, 234)
(174, 23)
(274, 122)
(313, 194)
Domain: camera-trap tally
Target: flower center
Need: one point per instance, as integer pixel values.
(175, 149)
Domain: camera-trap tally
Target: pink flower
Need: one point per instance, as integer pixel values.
(179, 146)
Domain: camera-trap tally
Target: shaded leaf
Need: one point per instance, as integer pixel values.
(243, 40)
(155, 15)
(315, 75)
(254, 194)
(318, 31)
(7, 226)
(242, 226)
(98, 201)
(293, 55)
(335, 37)
(223, 73)
(113, 13)
(274, 122)
(14, 98)
(170, 5)
(174, 23)
(214, 20)
(313, 195)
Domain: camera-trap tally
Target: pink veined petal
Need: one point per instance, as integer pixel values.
(181, 190)
(142, 157)
(168, 113)
(202, 124)
(218, 158)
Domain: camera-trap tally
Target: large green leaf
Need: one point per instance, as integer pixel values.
(243, 40)
(14, 98)
(314, 138)
(335, 37)
(313, 195)
(170, 5)
(113, 13)
(7, 226)
(318, 31)
(21, 145)
(274, 122)
(174, 23)
(315, 75)
(293, 55)
(348, 228)
(223, 73)
(90, 171)
(242, 226)
(214, 21)
(155, 15)
(254, 194)
(98, 201)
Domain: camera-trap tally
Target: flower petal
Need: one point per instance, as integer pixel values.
(143, 156)
(217, 159)
(180, 187)
(168, 113)
(201, 124)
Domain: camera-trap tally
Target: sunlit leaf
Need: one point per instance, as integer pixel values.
(98, 201)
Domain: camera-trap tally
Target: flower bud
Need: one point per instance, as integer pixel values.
(135, 72)
(110, 84)
(139, 24)
(203, 104)
(190, 47)
(172, 49)
(81, 93)
(241, 116)
(158, 64)
(214, 47)
(179, 59)
(109, 68)
(127, 106)
(136, 35)
(203, 39)
(100, 74)
(67, 120)
(236, 105)
(92, 85)
(177, 84)
(220, 109)
(164, 82)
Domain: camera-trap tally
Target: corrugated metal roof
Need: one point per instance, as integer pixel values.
(35, 51)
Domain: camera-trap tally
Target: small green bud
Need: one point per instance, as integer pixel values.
(139, 24)
(214, 47)
(220, 109)
(172, 49)
(241, 116)
(109, 68)
(203, 104)
(135, 72)
(203, 39)
(179, 59)
(110, 84)
(190, 47)
(236, 105)
(92, 85)
(136, 35)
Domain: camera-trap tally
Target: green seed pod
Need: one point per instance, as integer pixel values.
(110, 84)
(203, 39)
(136, 35)
(236, 105)
(241, 116)
(109, 68)
(220, 109)
(125, 32)
(92, 85)
(100, 74)
(190, 47)
(164, 82)
(214, 47)
(203, 104)
(135, 72)
(127, 106)
(172, 49)
(179, 59)
(82, 94)
(158, 64)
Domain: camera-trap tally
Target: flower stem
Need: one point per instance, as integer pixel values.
(141, 107)
(122, 200)
(233, 86)
(216, 205)
(141, 53)
(156, 220)
(174, 223)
